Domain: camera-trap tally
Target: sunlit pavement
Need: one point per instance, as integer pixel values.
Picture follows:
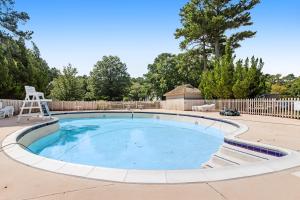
(22, 182)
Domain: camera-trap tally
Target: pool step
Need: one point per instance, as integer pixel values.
(254, 154)
(241, 157)
(232, 155)
(216, 162)
(229, 158)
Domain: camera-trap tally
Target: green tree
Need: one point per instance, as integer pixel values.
(163, 74)
(6, 83)
(10, 20)
(278, 89)
(294, 90)
(279, 84)
(67, 86)
(21, 66)
(272, 79)
(233, 80)
(249, 81)
(110, 79)
(187, 65)
(256, 78)
(207, 85)
(40, 70)
(223, 74)
(289, 78)
(205, 25)
(139, 90)
(241, 81)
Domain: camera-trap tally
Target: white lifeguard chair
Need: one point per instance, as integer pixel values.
(34, 101)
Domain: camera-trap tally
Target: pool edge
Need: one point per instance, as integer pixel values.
(291, 159)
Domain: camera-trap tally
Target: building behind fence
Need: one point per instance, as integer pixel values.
(288, 108)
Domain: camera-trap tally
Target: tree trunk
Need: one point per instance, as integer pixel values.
(204, 61)
(217, 48)
(204, 57)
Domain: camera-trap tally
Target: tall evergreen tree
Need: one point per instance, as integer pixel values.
(21, 66)
(207, 85)
(241, 83)
(223, 74)
(257, 81)
(205, 25)
(243, 79)
(10, 19)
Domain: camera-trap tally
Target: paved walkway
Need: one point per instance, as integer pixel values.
(18, 181)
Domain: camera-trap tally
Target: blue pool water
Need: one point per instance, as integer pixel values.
(138, 143)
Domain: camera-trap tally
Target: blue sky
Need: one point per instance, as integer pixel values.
(80, 32)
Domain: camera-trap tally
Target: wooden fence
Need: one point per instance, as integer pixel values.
(267, 107)
(102, 105)
(88, 105)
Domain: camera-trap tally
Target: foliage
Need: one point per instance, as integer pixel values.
(207, 85)
(283, 85)
(139, 90)
(163, 74)
(110, 79)
(187, 65)
(229, 79)
(256, 78)
(86, 86)
(20, 66)
(205, 25)
(223, 75)
(240, 87)
(10, 19)
(294, 90)
(169, 70)
(67, 86)
(278, 89)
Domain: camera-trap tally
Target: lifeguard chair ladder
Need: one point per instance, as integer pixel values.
(34, 100)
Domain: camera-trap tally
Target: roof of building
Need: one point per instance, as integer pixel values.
(184, 91)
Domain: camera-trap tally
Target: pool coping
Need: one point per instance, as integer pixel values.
(289, 160)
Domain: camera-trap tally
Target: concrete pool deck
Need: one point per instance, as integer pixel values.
(22, 182)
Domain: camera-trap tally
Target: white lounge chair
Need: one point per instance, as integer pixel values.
(6, 111)
(204, 108)
(34, 100)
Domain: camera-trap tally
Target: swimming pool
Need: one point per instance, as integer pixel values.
(69, 144)
(131, 143)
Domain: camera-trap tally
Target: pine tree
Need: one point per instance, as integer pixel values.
(10, 19)
(205, 22)
(223, 74)
(241, 82)
(207, 85)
